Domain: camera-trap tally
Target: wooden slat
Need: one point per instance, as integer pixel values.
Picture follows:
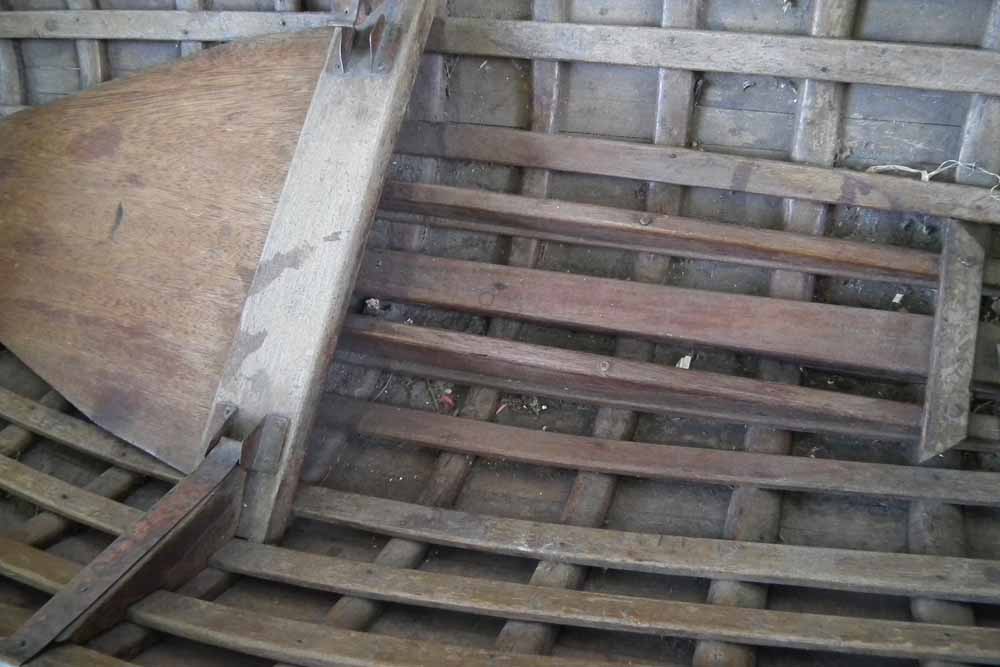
(34, 567)
(158, 25)
(652, 461)
(593, 378)
(65, 499)
(613, 612)
(571, 222)
(189, 48)
(80, 435)
(314, 644)
(843, 569)
(683, 166)
(91, 54)
(75, 656)
(823, 334)
(12, 88)
(14, 439)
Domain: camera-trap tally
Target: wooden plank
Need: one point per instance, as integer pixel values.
(861, 339)
(593, 378)
(78, 434)
(91, 54)
(614, 612)
(673, 235)
(684, 166)
(636, 459)
(12, 617)
(65, 499)
(14, 439)
(13, 94)
(948, 395)
(856, 61)
(158, 25)
(841, 569)
(189, 48)
(302, 286)
(34, 567)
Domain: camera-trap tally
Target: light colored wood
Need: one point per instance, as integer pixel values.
(930, 67)
(91, 54)
(302, 286)
(34, 567)
(684, 166)
(10, 109)
(52, 424)
(70, 501)
(842, 569)
(613, 612)
(189, 48)
(15, 439)
(99, 219)
(313, 644)
(158, 25)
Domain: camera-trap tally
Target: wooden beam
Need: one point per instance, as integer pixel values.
(860, 339)
(302, 286)
(796, 57)
(613, 612)
(673, 235)
(841, 569)
(654, 461)
(684, 166)
(35, 568)
(189, 48)
(317, 645)
(80, 435)
(91, 54)
(65, 499)
(158, 25)
(14, 439)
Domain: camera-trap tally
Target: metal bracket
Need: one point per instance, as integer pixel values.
(374, 29)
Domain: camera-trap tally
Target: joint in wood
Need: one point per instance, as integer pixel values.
(263, 447)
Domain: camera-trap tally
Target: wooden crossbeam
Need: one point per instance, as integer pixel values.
(843, 569)
(613, 612)
(684, 166)
(34, 567)
(652, 461)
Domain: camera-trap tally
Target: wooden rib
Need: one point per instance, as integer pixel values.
(827, 335)
(754, 513)
(91, 53)
(11, 618)
(593, 378)
(14, 439)
(684, 166)
(34, 567)
(843, 569)
(313, 644)
(673, 235)
(158, 25)
(651, 461)
(65, 499)
(81, 436)
(613, 612)
(929, 67)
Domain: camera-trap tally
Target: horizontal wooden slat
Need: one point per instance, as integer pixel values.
(668, 164)
(816, 333)
(163, 25)
(571, 222)
(65, 499)
(852, 61)
(612, 612)
(844, 569)
(312, 644)
(593, 378)
(654, 461)
(80, 435)
(75, 656)
(34, 567)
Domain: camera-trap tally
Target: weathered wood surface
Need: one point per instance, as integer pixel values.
(861, 339)
(91, 54)
(613, 612)
(652, 461)
(592, 378)
(34, 567)
(162, 25)
(11, 617)
(98, 226)
(673, 235)
(684, 166)
(15, 439)
(301, 290)
(856, 61)
(843, 569)
(314, 644)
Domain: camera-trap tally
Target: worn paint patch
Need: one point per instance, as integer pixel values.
(270, 270)
(99, 143)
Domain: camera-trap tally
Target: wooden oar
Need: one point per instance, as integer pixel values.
(132, 218)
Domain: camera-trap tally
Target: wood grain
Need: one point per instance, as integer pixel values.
(34, 567)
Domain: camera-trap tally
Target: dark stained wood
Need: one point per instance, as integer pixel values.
(99, 219)
(653, 461)
(12, 617)
(571, 222)
(593, 378)
(837, 336)
(872, 572)
(684, 166)
(34, 567)
(613, 612)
